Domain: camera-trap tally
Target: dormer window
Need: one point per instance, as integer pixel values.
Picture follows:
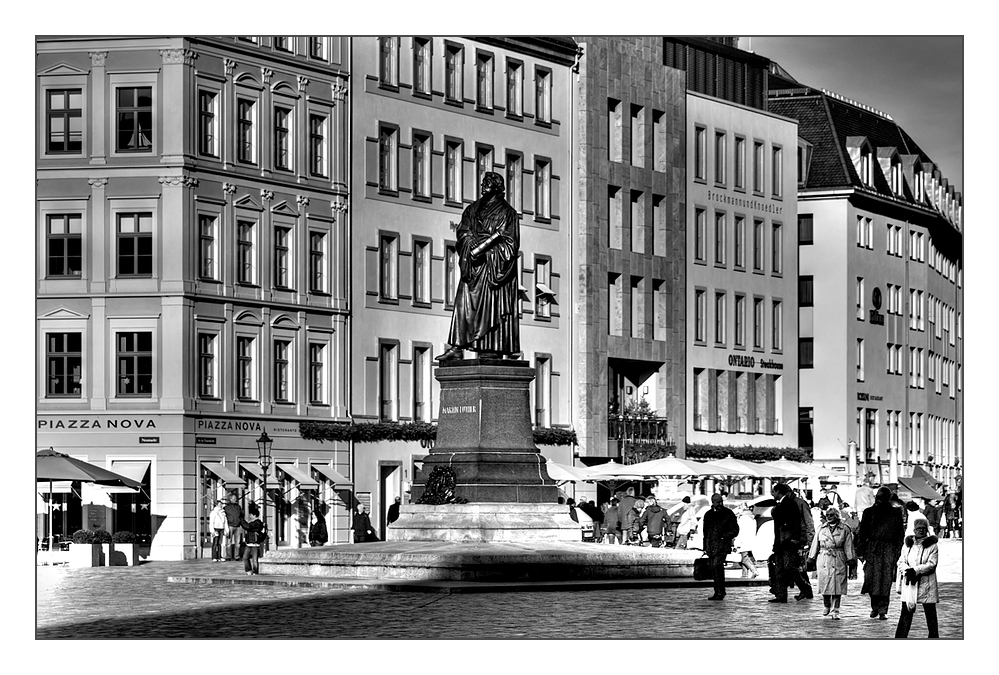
(860, 152)
(864, 168)
(896, 176)
(804, 159)
(918, 187)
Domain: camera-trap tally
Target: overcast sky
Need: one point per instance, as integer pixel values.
(919, 81)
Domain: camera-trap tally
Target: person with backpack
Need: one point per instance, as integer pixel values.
(653, 521)
(254, 539)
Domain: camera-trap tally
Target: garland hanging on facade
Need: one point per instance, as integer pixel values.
(407, 431)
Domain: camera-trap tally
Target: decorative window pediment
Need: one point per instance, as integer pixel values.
(284, 321)
(63, 69)
(249, 318)
(248, 202)
(63, 313)
(284, 208)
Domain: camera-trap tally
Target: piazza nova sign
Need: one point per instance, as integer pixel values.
(96, 423)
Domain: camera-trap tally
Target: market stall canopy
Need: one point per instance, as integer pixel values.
(798, 469)
(224, 474)
(672, 466)
(305, 482)
(339, 481)
(562, 473)
(134, 469)
(257, 473)
(919, 488)
(54, 466)
(753, 469)
(920, 472)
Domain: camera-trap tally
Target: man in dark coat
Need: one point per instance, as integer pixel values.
(393, 511)
(361, 526)
(486, 304)
(878, 544)
(653, 521)
(720, 528)
(787, 540)
(800, 573)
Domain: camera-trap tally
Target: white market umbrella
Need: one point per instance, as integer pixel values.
(567, 474)
(798, 469)
(612, 471)
(753, 469)
(672, 466)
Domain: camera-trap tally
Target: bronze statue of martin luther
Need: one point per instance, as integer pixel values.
(485, 318)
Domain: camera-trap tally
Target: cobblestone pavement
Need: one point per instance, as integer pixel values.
(120, 602)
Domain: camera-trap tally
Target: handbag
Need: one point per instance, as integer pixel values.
(702, 569)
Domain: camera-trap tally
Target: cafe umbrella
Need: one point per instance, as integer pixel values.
(51, 466)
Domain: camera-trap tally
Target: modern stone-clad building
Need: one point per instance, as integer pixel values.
(430, 115)
(628, 252)
(192, 287)
(880, 297)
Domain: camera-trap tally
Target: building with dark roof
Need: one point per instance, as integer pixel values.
(880, 291)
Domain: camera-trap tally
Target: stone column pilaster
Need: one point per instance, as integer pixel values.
(98, 118)
(175, 111)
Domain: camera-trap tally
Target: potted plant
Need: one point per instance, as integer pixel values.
(83, 552)
(103, 538)
(125, 549)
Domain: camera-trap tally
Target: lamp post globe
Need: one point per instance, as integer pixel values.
(264, 444)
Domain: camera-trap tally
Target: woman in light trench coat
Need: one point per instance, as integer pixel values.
(917, 565)
(832, 551)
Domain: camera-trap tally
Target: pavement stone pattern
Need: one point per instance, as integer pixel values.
(138, 602)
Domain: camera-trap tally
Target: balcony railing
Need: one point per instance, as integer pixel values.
(643, 430)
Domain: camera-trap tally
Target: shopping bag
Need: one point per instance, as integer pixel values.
(909, 592)
(702, 569)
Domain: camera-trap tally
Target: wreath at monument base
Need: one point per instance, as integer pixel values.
(440, 488)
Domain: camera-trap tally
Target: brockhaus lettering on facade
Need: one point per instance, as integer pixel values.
(46, 425)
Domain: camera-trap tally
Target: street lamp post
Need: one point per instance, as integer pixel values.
(264, 444)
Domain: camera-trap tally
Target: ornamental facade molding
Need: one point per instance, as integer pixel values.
(230, 66)
(266, 74)
(229, 188)
(179, 181)
(98, 182)
(178, 56)
(339, 90)
(303, 82)
(97, 59)
(267, 195)
(339, 204)
(303, 201)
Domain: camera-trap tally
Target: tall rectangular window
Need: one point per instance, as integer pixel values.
(777, 247)
(135, 244)
(759, 329)
(514, 88)
(422, 63)
(720, 157)
(484, 80)
(421, 165)
(316, 48)
(421, 271)
(805, 234)
(135, 119)
(246, 142)
(317, 145)
(860, 360)
(317, 373)
(758, 166)
(637, 289)
(805, 290)
(388, 277)
(388, 380)
(483, 164)
(135, 364)
(317, 262)
(388, 61)
(282, 138)
(860, 298)
(421, 384)
(451, 271)
(64, 121)
(721, 307)
(740, 320)
(246, 266)
(720, 221)
(388, 139)
(207, 124)
(740, 163)
(208, 251)
(544, 295)
(245, 372)
(454, 66)
(637, 135)
(281, 43)
(64, 364)
(514, 180)
(777, 171)
(453, 159)
(739, 237)
(282, 370)
(207, 379)
(615, 130)
(282, 257)
(806, 353)
(543, 95)
(64, 240)
(699, 314)
(758, 246)
(542, 189)
(777, 325)
(700, 153)
(543, 391)
(699, 234)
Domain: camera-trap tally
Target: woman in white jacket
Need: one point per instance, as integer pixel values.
(917, 566)
(217, 522)
(745, 540)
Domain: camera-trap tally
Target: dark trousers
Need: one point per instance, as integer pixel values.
(879, 603)
(717, 563)
(786, 566)
(905, 620)
(251, 553)
(800, 577)
(217, 545)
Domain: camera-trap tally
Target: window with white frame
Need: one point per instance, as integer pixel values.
(740, 320)
(759, 252)
(739, 243)
(452, 171)
(699, 234)
(454, 72)
(452, 273)
(246, 133)
(388, 380)
(208, 132)
(864, 168)
(739, 178)
(542, 188)
(208, 249)
(721, 221)
(422, 153)
(422, 65)
(484, 75)
(317, 48)
(134, 358)
(421, 383)
(720, 157)
(317, 262)
(388, 61)
(758, 166)
(777, 325)
(135, 244)
(777, 247)
(699, 314)
(637, 135)
(64, 121)
(388, 144)
(544, 295)
(63, 364)
(777, 171)
(860, 359)
(421, 271)
(514, 180)
(317, 373)
(389, 267)
(246, 374)
(283, 43)
(721, 309)
(318, 157)
(282, 138)
(246, 257)
(860, 298)
(543, 95)
(282, 257)
(514, 88)
(759, 328)
(208, 365)
(134, 119)
(483, 164)
(700, 153)
(64, 244)
(542, 390)
(283, 371)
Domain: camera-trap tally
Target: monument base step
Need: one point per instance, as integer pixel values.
(493, 562)
(485, 522)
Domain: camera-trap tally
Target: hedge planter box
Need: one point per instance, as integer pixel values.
(87, 555)
(126, 555)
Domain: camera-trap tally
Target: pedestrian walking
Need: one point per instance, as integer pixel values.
(629, 526)
(720, 527)
(852, 521)
(744, 542)
(318, 535)
(218, 523)
(393, 511)
(612, 521)
(950, 514)
(917, 567)
(912, 512)
(787, 541)
(687, 520)
(653, 521)
(932, 512)
(864, 497)
(808, 526)
(361, 528)
(234, 534)
(878, 542)
(832, 550)
(254, 539)
(595, 515)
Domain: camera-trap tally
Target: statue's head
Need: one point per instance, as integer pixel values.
(492, 183)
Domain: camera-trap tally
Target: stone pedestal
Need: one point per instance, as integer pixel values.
(487, 522)
(484, 434)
